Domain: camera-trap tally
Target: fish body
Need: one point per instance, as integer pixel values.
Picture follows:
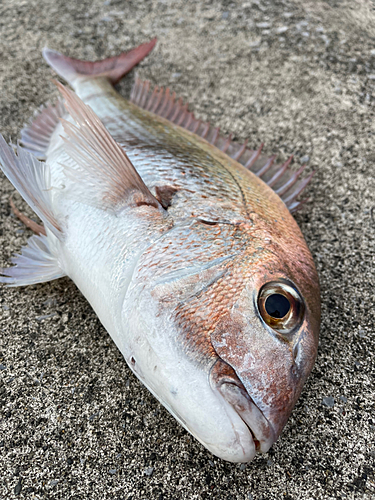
(187, 257)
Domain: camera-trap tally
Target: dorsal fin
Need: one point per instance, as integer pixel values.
(105, 176)
(284, 181)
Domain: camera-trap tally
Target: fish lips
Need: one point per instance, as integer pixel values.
(223, 379)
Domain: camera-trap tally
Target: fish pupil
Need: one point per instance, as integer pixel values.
(277, 305)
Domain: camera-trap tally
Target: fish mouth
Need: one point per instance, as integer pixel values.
(224, 379)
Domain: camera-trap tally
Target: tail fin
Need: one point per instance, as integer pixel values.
(114, 68)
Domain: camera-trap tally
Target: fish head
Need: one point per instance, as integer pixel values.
(236, 323)
(267, 341)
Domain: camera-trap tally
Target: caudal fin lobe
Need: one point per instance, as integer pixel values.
(113, 68)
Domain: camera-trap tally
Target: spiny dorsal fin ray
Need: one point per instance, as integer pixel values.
(281, 178)
(109, 178)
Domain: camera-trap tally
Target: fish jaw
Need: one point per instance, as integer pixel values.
(151, 347)
(224, 380)
(218, 426)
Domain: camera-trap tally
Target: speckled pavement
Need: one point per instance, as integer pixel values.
(298, 76)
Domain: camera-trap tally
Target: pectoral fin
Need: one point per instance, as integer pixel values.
(104, 177)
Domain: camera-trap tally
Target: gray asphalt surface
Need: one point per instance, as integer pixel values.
(298, 76)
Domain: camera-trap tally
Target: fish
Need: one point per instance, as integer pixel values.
(184, 243)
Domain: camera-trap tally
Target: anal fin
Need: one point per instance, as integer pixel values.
(31, 178)
(36, 136)
(35, 264)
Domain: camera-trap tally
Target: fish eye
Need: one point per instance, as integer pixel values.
(277, 305)
(281, 306)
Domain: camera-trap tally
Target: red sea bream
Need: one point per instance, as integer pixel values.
(183, 243)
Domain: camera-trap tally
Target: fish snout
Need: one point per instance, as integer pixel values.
(224, 380)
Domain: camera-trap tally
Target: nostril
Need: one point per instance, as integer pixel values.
(132, 360)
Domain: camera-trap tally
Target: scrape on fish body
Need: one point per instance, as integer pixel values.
(183, 243)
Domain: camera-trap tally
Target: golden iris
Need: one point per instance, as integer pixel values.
(281, 306)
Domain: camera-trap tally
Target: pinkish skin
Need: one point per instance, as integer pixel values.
(209, 234)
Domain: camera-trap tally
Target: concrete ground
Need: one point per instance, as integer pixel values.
(298, 76)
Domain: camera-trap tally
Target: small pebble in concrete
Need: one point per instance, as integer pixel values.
(50, 302)
(18, 488)
(361, 333)
(329, 401)
(149, 471)
(45, 316)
